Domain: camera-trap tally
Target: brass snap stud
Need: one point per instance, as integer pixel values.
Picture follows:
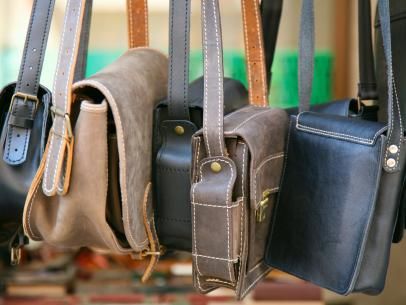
(179, 130)
(391, 163)
(393, 149)
(215, 167)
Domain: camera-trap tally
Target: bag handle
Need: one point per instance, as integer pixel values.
(306, 62)
(137, 19)
(179, 36)
(25, 102)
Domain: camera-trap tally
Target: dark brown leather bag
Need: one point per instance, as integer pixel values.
(236, 171)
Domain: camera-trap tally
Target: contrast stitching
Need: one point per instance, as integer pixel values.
(270, 158)
(60, 58)
(217, 206)
(215, 258)
(130, 30)
(186, 59)
(256, 281)
(266, 110)
(29, 214)
(251, 86)
(146, 31)
(205, 102)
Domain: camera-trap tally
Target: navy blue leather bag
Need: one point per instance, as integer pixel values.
(339, 197)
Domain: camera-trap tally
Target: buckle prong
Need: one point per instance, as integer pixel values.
(26, 98)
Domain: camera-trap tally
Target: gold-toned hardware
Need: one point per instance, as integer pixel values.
(391, 163)
(26, 98)
(263, 205)
(57, 112)
(15, 256)
(393, 149)
(179, 130)
(215, 167)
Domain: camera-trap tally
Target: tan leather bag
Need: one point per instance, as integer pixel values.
(98, 152)
(236, 172)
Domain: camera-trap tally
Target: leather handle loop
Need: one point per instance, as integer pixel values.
(137, 19)
(213, 100)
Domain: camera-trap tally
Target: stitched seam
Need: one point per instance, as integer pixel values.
(205, 102)
(242, 208)
(186, 59)
(270, 158)
(194, 240)
(220, 82)
(266, 110)
(215, 258)
(256, 281)
(60, 58)
(259, 38)
(247, 48)
(220, 281)
(164, 219)
(146, 31)
(171, 76)
(120, 136)
(130, 30)
(217, 206)
(31, 232)
(227, 200)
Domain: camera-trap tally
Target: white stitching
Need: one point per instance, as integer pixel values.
(266, 110)
(218, 206)
(146, 32)
(120, 138)
(205, 102)
(260, 277)
(130, 30)
(29, 215)
(271, 157)
(60, 58)
(216, 258)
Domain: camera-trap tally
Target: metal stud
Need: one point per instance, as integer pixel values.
(391, 163)
(215, 167)
(393, 149)
(179, 130)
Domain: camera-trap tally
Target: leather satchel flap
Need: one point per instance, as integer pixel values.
(337, 163)
(132, 102)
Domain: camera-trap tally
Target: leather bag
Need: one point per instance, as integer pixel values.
(101, 123)
(398, 30)
(237, 165)
(178, 117)
(339, 196)
(25, 122)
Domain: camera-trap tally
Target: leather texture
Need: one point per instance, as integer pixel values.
(66, 205)
(398, 31)
(25, 119)
(137, 19)
(183, 108)
(338, 202)
(237, 166)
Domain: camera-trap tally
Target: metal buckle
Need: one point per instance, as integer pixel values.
(262, 206)
(26, 98)
(57, 112)
(154, 253)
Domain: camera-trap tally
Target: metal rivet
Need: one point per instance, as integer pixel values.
(179, 130)
(393, 149)
(391, 162)
(215, 167)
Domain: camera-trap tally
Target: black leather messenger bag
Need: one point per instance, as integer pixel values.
(339, 197)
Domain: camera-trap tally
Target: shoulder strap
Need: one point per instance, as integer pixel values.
(179, 32)
(367, 89)
(60, 142)
(24, 102)
(137, 19)
(271, 11)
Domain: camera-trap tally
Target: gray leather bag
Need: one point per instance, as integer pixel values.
(106, 115)
(236, 171)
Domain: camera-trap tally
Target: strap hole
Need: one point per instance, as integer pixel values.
(28, 85)
(18, 135)
(16, 149)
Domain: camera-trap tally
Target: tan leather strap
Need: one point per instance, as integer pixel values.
(137, 18)
(254, 52)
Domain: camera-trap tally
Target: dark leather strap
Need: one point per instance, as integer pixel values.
(271, 11)
(137, 18)
(178, 78)
(25, 101)
(367, 88)
(395, 126)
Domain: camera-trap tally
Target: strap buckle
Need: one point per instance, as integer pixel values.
(15, 256)
(154, 253)
(58, 112)
(26, 98)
